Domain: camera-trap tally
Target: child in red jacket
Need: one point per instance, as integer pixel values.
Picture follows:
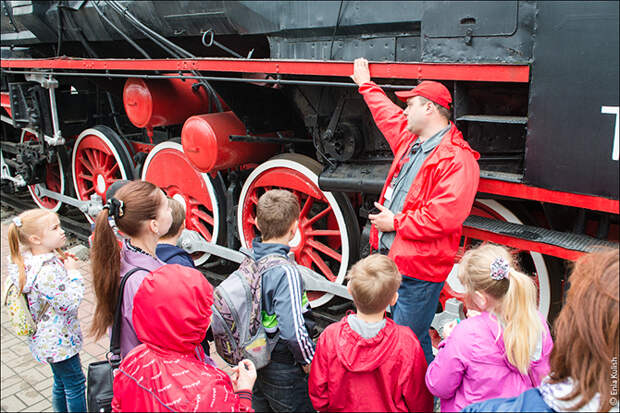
(366, 362)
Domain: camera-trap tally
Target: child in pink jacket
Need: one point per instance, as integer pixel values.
(501, 352)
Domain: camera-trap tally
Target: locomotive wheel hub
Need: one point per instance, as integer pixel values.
(296, 239)
(101, 184)
(179, 198)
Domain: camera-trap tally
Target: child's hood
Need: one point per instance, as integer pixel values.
(358, 354)
(32, 265)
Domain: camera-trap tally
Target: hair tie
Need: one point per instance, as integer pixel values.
(115, 207)
(17, 221)
(500, 268)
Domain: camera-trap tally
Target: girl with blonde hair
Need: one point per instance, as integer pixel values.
(505, 349)
(583, 374)
(54, 289)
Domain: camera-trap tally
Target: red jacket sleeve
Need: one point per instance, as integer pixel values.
(319, 371)
(449, 203)
(245, 400)
(415, 394)
(388, 116)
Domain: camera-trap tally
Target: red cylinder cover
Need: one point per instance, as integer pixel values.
(162, 102)
(206, 144)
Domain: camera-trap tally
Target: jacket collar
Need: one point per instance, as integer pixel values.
(32, 264)
(553, 392)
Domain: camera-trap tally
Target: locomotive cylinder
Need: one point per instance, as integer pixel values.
(206, 143)
(162, 102)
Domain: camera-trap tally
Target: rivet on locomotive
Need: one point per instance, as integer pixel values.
(216, 102)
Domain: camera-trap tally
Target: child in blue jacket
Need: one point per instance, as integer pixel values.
(167, 249)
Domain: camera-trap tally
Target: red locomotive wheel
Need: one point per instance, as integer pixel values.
(202, 196)
(54, 179)
(327, 240)
(532, 263)
(99, 158)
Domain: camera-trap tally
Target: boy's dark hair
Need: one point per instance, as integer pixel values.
(178, 217)
(276, 211)
(373, 282)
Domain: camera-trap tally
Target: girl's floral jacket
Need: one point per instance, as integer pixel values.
(58, 335)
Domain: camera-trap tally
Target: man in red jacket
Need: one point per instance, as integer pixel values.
(427, 196)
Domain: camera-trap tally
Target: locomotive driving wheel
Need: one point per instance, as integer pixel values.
(531, 263)
(99, 159)
(327, 239)
(54, 177)
(201, 196)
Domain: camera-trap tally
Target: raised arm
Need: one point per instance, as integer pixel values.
(388, 116)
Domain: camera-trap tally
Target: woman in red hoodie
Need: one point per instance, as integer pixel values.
(366, 362)
(170, 371)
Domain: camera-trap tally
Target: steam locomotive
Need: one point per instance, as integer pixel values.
(218, 101)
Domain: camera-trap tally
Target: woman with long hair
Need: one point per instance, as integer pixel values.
(140, 211)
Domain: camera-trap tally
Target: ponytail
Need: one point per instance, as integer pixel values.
(516, 295)
(106, 262)
(523, 327)
(23, 226)
(16, 256)
(139, 202)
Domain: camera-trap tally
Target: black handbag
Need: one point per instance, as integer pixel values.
(100, 376)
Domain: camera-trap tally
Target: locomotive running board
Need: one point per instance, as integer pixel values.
(192, 242)
(555, 243)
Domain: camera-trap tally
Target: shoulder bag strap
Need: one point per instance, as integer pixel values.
(115, 336)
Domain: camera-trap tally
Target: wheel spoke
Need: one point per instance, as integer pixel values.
(323, 232)
(319, 246)
(112, 170)
(86, 163)
(319, 215)
(85, 176)
(201, 228)
(306, 208)
(321, 265)
(91, 158)
(253, 199)
(88, 191)
(203, 216)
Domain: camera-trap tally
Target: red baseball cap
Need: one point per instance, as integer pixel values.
(433, 91)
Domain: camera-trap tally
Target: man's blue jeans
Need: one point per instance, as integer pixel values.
(68, 391)
(281, 387)
(415, 308)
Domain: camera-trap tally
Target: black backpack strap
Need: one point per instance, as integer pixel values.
(115, 336)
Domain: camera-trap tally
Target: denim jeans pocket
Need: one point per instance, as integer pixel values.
(280, 396)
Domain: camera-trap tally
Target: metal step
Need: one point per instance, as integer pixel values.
(494, 119)
(564, 240)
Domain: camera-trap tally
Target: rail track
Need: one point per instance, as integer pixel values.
(74, 222)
